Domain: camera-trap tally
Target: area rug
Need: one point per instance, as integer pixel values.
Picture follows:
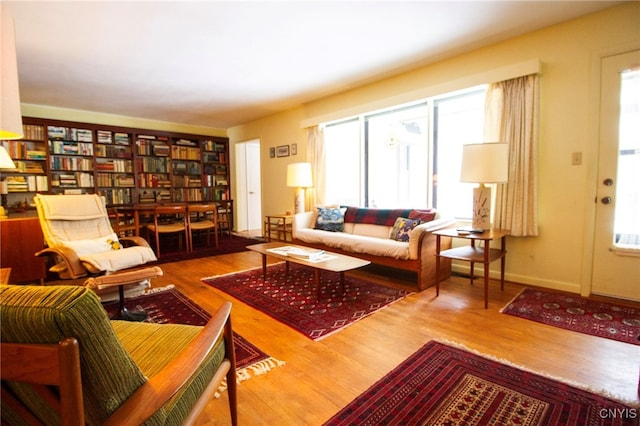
(292, 299)
(225, 246)
(445, 385)
(575, 313)
(167, 305)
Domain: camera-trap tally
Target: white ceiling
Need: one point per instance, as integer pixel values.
(223, 63)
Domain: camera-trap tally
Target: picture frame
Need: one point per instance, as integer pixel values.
(294, 149)
(272, 152)
(282, 151)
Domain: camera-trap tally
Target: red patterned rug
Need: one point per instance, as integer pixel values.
(444, 385)
(575, 313)
(292, 299)
(167, 305)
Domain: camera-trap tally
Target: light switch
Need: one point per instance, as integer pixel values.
(576, 158)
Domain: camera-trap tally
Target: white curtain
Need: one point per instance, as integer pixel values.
(511, 116)
(316, 156)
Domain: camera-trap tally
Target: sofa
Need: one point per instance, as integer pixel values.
(397, 238)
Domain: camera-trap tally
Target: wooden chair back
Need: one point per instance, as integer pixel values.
(203, 217)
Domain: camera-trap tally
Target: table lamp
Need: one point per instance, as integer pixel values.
(484, 163)
(299, 177)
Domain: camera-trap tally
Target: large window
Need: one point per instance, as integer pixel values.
(407, 156)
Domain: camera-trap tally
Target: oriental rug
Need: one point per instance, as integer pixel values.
(572, 312)
(292, 300)
(444, 385)
(167, 305)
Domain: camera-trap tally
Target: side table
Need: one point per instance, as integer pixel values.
(278, 227)
(474, 254)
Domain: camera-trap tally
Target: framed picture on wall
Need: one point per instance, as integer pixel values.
(282, 151)
(272, 152)
(294, 149)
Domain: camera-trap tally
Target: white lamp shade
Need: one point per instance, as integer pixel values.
(5, 160)
(299, 175)
(10, 115)
(485, 163)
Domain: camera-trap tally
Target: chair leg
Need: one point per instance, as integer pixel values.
(125, 314)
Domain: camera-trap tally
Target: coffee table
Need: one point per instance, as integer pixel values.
(328, 261)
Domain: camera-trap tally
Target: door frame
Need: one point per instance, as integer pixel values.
(593, 146)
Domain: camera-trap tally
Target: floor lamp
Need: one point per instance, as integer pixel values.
(484, 163)
(10, 114)
(299, 177)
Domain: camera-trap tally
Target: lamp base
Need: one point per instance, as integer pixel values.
(481, 208)
(299, 201)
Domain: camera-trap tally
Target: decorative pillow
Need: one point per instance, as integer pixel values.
(97, 245)
(402, 228)
(330, 219)
(423, 215)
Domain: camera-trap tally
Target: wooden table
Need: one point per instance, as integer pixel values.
(333, 262)
(473, 254)
(279, 225)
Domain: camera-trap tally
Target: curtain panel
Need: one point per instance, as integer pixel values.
(511, 116)
(316, 156)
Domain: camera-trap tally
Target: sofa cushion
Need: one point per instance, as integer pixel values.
(355, 243)
(330, 219)
(402, 228)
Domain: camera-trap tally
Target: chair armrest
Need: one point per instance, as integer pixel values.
(301, 221)
(151, 396)
(123, 278)
(70, 267)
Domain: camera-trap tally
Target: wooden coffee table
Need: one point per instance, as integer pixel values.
(329, 261)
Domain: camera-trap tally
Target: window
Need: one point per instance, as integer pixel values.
(395, 158)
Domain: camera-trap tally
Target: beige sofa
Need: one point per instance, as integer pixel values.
(367, 234)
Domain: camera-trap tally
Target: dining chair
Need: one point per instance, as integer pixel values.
(170, 220)
(224, 217)
(203, 220)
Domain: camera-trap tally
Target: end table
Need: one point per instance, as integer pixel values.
(279, 227)
(474, 254)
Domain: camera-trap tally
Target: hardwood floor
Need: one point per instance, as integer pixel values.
(320, 378)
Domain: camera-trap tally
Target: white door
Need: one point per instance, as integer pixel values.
(254, 195)
(616, 264)
(248, 205)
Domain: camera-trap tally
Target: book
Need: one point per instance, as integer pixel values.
(300, 253)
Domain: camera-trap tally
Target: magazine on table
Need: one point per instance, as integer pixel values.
(309, 254)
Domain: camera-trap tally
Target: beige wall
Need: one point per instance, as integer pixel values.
(569, 53)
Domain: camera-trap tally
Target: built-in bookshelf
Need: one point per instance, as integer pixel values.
(125, 165)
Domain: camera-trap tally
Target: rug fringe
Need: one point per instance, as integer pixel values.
(246, 373)
(578, 385)
(158, 289)
(233, 273)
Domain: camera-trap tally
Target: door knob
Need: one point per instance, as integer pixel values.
(606, 200)
(608, 182)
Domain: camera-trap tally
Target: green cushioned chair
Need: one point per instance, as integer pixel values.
(106, 372)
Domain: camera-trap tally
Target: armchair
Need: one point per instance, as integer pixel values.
(107, 372)
(79, 235)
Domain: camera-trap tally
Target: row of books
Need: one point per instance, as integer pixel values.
(214, 180)
(186, 181)
(113, 151)
(106, 180)
(108, 137)
(210, 145)
(117, 166)
(29, 167)
(151, 165)
(33, 132)
(146, 197)
(27, 183)
(71, 163)
(147, 180)
(71, 148)
(69, 134)
(152, 147)
(186, 168)
(117, 196)
(23, 150)
(187, 195)
(185, 153)
(78, 179)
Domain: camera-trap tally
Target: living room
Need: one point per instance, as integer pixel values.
(321, 377)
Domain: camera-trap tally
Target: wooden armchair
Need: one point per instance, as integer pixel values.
(64, 362)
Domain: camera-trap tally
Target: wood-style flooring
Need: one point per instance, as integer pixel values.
(320, 378)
